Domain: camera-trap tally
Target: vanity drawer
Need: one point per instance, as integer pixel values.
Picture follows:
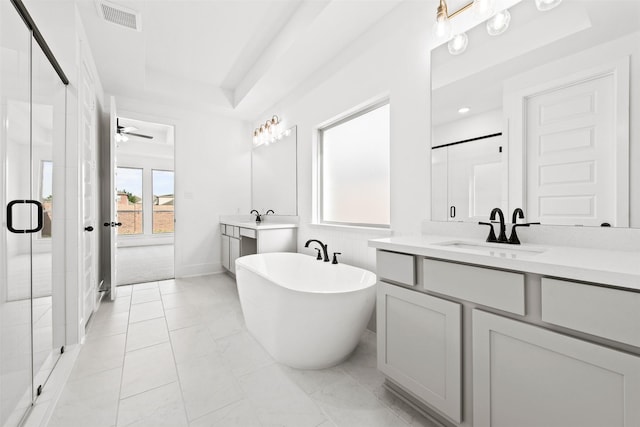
(396, 267)
(235, 231)
(609, 313)
(223, 229)
(503, 290)
(248, 232)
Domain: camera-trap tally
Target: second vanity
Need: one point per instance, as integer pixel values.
(499, 335)
(242, 237)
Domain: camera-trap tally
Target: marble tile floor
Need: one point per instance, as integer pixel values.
(176, 353)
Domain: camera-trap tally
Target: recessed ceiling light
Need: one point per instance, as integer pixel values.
(464, 110)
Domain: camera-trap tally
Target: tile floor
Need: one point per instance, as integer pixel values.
(176, 353)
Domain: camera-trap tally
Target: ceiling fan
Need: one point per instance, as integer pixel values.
(129, 130)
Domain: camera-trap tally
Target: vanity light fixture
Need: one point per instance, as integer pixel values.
(269, 132)
(483, 9)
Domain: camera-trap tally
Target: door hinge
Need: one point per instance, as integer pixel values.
(39, 391)
(62, 350)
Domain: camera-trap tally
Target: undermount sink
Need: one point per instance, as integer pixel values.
(494, 249)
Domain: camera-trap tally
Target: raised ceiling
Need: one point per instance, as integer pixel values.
(233, 56)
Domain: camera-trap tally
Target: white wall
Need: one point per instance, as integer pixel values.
(213, 178)
(391, 60)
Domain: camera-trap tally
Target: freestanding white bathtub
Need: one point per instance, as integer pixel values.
(307, 314)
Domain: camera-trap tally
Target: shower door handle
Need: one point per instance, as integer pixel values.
(26, 202)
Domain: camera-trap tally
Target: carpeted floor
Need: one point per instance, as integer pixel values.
(140, 264)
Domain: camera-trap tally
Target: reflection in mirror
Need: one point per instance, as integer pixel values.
(274, 175)
(539, 118)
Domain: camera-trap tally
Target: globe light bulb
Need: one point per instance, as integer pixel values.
(458, 44)
(544, 5)
(499, 23)
(483, 9)
(442, 29)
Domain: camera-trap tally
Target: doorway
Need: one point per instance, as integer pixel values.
(145, 203)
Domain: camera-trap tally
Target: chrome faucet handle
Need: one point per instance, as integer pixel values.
(335, 258)
(319, 256)
(492, 235)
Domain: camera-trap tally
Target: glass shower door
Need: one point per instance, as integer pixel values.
(48, 127)
(16, 370)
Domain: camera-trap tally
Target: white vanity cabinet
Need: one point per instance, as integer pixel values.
(524, 375)
(536, 350)
(246, 238)
(419, 345)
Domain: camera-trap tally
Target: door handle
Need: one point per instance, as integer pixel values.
(112, 224)
(452, 211)
(89, 228)
(28, 202)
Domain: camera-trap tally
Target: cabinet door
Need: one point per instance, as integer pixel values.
(234, 253)
(225, 252)
(527, 376)
(419, 345)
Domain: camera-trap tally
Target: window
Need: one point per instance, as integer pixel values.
(354, 186)
(46, 196)
(129, 193)
(162, 201)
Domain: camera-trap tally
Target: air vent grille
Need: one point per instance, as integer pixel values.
(119, 15)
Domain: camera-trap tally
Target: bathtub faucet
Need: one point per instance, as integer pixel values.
(322, 245)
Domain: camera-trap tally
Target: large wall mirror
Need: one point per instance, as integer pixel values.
(542, 117)
(274, 175)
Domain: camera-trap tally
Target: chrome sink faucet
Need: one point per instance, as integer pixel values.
(322, 245)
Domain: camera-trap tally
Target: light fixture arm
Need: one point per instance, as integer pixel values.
(443, 10)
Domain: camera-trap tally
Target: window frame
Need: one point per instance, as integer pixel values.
(153, 233)
(142, 211)
(320, 165)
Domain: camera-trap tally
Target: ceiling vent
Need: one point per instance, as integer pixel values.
(119, 15)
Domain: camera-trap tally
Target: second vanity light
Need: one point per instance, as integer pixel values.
(269, 132)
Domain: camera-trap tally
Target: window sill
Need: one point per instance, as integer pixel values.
(354, 228)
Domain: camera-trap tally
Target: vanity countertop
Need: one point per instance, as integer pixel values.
(615, 268)
(264, 225)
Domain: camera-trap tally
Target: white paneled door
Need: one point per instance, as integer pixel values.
(89, 197)
(113, 209)
(571, 157)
